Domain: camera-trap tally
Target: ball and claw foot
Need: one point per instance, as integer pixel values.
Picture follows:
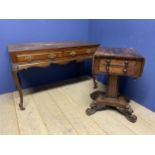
(21, 107)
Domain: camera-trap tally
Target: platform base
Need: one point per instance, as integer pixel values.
(101, 102)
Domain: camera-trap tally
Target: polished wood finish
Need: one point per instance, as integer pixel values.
(25, 56)
(112, 90)
(115, 62)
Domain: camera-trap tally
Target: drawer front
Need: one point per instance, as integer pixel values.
(54, 55)
(118, 67)
(38, 56)
(78, 52)
(117, 70)
(117, 62)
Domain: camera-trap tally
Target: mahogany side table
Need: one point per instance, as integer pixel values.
(115, 62)
(25, 56)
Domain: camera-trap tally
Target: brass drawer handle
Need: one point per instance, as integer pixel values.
(126, 62)
(28, 57)
(52, 56)
(107, 68)
(73, 53)
(88, 51)
(125, 70)
(126, 66)
(108, 61)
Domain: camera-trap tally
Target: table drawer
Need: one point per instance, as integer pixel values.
(38, 56)
(118, 67)
(118, 62)
(58, 54)
(78, 52)
(117, 70)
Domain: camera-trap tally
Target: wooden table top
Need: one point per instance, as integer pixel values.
(48, 45)
(129, 53)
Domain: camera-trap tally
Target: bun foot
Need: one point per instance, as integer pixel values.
(21, 107)
(90, 111)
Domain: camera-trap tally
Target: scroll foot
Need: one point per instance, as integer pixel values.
(131, 118)
(93, 108)
(127, 112)
(90, 111)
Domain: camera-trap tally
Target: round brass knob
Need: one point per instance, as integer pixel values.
(73, 53)
(52, 55)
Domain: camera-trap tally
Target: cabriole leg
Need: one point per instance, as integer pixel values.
(94, 81)
(18, 86)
